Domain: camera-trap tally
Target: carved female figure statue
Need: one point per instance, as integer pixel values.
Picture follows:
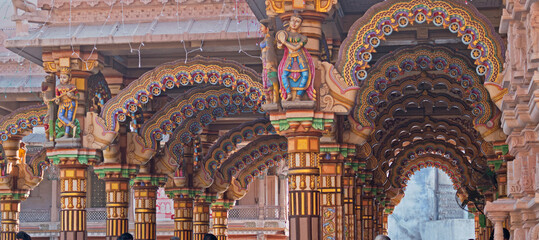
(269, 62)
(296, 70)
(66, 98)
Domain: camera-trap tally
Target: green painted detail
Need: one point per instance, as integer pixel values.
(283, 124)
(329, 149)
(225, 204)
(83, 159)
(317, 123)
(60, 131)
(482, 221)
(208, 198)
(355, 166)
(497, 163)
(125, 173)
(16, 196)
(504, 148)
(154, 181)
(191, 193)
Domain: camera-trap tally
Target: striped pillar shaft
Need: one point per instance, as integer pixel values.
(10, 209)
(183, 218)
(73, 183)
(368, 217)
(358, 213)
(303, 176)
(331, 198)
(201, 219)
(220, 218)
(348, 195)
(145, 207)
(117, 190)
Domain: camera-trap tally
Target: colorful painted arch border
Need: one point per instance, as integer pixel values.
(388, 16)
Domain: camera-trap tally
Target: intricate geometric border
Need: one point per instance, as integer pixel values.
(222, 100)
(21, 119)
(423, 57)
(388, 16)
(263, 146)
(247, 175)
(167, 76)
(409, 161)
(229, 142)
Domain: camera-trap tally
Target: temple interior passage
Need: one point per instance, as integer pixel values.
(269, 119)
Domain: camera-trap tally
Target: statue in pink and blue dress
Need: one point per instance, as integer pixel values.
(296, 70)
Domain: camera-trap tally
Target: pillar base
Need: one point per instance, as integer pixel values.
(73, 235)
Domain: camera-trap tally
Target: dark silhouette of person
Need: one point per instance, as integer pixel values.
(210, 236)
(125, 236)
(22, 236)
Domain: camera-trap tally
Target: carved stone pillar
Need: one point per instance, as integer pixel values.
(183, 209)
(10, 207)
(183, 218)
(331, 196)
(220, 217)
(201, 217)
(367, 206)
(116, 179)
(348, 199)
(145, 188)
(116, 176)
(360, 178)
(303, 129)
(73, 165)
(498, 219)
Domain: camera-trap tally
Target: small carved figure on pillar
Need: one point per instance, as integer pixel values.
(48, 93)
(533, 30)
(269, 62)
(296, 70)
(66, 98)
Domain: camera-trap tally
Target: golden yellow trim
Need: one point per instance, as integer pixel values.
(500, 95)
(344, 100)
(303, 171)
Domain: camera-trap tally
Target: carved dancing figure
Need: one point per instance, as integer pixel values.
(66, 99)
(533, 29)
(296, 70)
(269, 62)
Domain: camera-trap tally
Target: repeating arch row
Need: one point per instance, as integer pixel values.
(174, 74)
(382, 19)
(392, 73)
(21, 120)
(219, 99)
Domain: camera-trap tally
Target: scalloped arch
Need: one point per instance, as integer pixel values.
(388, 16)
(441, 154)
(263, 146)
(228, 143)
(21, 120)
(220, 100)
(174, 74)
(388, 70)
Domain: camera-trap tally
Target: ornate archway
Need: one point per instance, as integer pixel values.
(170, 75)
(385, 17)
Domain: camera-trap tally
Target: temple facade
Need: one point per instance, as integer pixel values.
(264, 119)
